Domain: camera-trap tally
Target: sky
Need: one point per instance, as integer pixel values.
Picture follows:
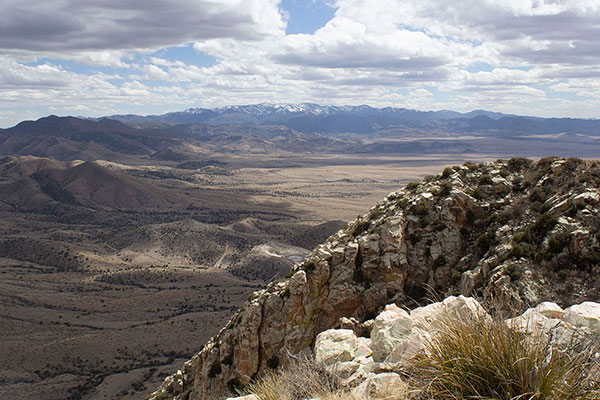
(103, 57)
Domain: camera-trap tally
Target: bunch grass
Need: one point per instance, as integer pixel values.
(481, 358)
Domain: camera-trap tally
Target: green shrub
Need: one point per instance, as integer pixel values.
(523, 250)
(360, 227)
(477, 194)
(486, 240)
(485, 180)
(214, 370)
(471, 165)
(544, 224)
(445, 189)
(517, 164)
(514, 271)
(558, 242)
(523, 236)
(227, 360)
(402, 203)
(447, 172)
(482, 358)
(412, 185)
(537, 195)
(273, 362)
(413, 239)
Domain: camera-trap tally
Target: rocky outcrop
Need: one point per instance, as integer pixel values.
(513, 233)
(398, 336)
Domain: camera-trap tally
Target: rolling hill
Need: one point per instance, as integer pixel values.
(40, 183)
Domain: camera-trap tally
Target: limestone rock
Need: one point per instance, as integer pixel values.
(382, 386)
(585, 315)
(335, 345)
(392, 326)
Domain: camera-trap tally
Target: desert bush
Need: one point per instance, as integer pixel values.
(485, 179)
(544, 224)
(412, 185)
(517, 164)
(304, 378)
(445, 189)
(360, 227)
(482, 358)
(486, 240)
(439, 262)
(477, 194)
(447, 172)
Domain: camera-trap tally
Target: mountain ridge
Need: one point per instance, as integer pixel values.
(512, 232)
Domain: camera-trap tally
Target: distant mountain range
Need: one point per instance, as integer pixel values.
(198, 134)
(315, 118)
(305, 117)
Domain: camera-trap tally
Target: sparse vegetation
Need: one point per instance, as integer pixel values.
(360, 227)
(306, 379)
(482, 358)
(447, 172)
(302, 379)
(485, 179)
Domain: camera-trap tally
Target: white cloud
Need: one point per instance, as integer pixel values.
(510, 55)
(63, 26)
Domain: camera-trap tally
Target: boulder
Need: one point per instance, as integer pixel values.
(586, 314)
(424, 317)
(335, 345)
(386, 385)
(392, 326)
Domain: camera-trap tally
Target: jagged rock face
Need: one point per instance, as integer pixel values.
(515, 232)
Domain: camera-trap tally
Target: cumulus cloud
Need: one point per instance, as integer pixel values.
(84, 25)
(509, 55)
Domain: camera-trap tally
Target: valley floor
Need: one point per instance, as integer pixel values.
(104, 303)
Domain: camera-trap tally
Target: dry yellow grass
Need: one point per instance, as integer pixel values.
(482, 358)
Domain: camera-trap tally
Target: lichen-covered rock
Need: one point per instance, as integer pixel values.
(514, 232)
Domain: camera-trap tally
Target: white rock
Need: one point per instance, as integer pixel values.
(586, 314)
(365, 368)
(533, 322)
(392, 326)
(408, 347)
(424, 317)
(550, 310)
(335, 345)
(345, 369)
(387, 385)
(248, 397)
(364, 347)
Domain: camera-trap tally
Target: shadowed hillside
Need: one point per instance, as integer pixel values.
(86, 184)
